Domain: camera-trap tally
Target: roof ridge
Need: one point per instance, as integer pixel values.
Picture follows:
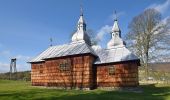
(91, 49)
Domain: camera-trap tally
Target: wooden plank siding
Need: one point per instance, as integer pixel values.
(38, 74)
(126, 75)
(83, 73)
(79, 75)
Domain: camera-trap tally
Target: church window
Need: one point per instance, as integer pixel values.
(64, 66)
(41, 69)
(111, 70)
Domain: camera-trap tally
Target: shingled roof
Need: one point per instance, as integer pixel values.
(64, 50)
(114, 55)
(103, 55)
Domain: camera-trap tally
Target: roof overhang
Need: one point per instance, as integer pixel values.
(68, 56)
(120, 62)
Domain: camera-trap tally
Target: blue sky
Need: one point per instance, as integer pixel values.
(27, 25)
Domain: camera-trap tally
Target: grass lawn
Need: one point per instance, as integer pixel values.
(19, 90)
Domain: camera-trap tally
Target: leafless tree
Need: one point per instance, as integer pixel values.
(149, 37)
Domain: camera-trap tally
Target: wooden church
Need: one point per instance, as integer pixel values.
(78, 64)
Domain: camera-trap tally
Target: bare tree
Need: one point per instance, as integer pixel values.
(148, 37)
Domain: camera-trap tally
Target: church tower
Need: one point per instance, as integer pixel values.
(116, 40)
(81, 35)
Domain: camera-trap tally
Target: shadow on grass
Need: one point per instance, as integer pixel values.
(150, 92)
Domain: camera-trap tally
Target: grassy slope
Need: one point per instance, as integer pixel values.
(19, 90)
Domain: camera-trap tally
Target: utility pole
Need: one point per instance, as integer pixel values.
(13, 68)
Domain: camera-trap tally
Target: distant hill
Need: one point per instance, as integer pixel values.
(160, 67)
(23, 75)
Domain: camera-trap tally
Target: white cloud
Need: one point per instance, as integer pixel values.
(5, 53)
(22, 57)
(164, 7)
(104, 30)
(107, 28)
(96, 47)
(22, 60)
(161, 7)
(23, 67)
(4, 67)
(163, 26)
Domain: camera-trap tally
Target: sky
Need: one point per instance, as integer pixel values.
(26, 26)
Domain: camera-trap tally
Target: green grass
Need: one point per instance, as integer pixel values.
(19, 90)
